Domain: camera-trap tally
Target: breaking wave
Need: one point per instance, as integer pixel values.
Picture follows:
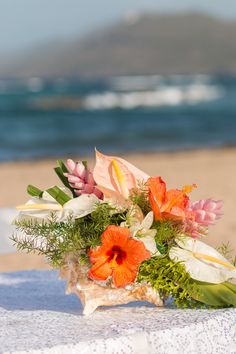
(149, 82)
(190, 94)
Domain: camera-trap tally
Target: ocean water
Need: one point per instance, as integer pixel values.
(54, 118)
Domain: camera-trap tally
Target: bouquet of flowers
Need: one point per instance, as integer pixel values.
(118, 235)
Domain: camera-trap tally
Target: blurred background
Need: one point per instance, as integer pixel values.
(74, 76)
(136, 77)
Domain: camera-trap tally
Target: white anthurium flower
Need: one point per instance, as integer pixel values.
(140, 228)
(41, 208)
(201, 261)
(81, 206)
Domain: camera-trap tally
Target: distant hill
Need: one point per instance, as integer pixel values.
(181, 43)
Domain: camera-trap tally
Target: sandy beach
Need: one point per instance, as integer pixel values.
(213, 171)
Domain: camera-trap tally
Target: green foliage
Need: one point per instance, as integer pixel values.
(51, 239)
(216, 295)
(55, 239)
(94, 224)
(139, 196)
(170, 279)
(34, 191)
(60, 196)
(60, 170)
(226, 250)
(167, 232)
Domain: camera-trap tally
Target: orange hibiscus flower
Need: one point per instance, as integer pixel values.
(167, 204)
(119, 256)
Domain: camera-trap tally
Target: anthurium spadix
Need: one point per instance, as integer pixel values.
(116, 177)
(202, 262)
(42, 208)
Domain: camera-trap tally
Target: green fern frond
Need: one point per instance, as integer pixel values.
(170, 280)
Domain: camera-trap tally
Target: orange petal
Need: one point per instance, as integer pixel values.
(175, 198)
(155, 208)
(101, 270)
(175, 214)
(115, 235)
(97, 253)
(136, 252)
(157, 192)
(157, 187)
(123, 276)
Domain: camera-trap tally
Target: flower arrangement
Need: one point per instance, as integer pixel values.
(118, 235)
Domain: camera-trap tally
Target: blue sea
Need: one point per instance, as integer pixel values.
(54, 118)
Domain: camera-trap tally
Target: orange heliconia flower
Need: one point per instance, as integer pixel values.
(165, 204)
(119, 256)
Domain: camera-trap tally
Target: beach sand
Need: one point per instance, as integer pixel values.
(213, 171)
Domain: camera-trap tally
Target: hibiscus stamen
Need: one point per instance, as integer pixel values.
(116, 256)
(213, 259)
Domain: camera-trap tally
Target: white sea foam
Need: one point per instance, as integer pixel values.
(163, 96)
(138, 82)
(146, 82)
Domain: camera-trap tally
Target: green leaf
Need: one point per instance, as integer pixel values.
(60, 196)
(60, 170)
(34, 191)
(62, 166)
(218, 295)
(161, 248)
(60, 174)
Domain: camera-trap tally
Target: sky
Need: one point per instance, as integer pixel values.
(24, 23)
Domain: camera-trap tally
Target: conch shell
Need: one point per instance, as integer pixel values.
(93, 295)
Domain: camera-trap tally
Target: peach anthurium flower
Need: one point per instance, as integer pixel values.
(119, 257)
(115, 177)
(169, 204)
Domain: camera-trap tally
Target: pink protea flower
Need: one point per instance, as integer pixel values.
(81, 179)
(206, 211)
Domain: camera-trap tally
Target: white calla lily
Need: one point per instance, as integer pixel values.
(201, 261)
(150, 244)
(41, 208)
(142, 225)
(140, 228)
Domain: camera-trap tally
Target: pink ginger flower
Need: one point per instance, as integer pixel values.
(193, 229)
(206, 211)
(200, 215)
(81, 179)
